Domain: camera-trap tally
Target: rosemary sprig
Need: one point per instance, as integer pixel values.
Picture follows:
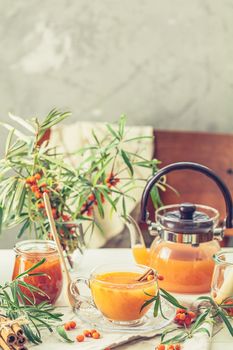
(14, 303)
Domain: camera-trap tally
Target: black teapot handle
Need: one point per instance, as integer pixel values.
(188, 166)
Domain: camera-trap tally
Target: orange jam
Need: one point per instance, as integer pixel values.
(186, 269)
(119, 296)
(28, 253)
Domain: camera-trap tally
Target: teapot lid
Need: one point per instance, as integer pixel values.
(187, 218)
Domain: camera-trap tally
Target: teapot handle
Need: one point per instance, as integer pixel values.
(192, 166)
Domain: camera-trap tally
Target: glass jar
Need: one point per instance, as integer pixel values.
(30, 252)
(222, 282)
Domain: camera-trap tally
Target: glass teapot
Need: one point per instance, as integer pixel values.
(186, 236)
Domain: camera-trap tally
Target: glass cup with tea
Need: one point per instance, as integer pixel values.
(118, 293)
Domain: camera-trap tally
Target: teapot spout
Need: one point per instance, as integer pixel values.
(136, 237)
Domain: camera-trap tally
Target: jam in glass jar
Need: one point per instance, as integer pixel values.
(29, 253)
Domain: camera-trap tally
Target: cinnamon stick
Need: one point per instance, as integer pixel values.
(3, 345)
(16, 347)
(145, 275)
(21, 340)
(17, 329)
(7, 333)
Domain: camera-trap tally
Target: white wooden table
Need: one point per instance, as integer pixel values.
(92, 258)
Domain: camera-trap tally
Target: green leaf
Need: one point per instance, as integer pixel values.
(200, 319)
(23, 228)
(172, 300)
(99, 203)
(148, 302)
(122, 122)
(9, 140)
(112, 131)
(127, 161)
(202, 330)
(22, 122)
(1, 217)
(154, 193)
(156, 306)
(124, 207)
(226, 321)
(60, 330)
(42, 261)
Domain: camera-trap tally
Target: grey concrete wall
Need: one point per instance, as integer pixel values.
(168, 63)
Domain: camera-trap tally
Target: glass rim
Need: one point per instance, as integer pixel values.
(137, 283)
(217, 258)
(49, 243)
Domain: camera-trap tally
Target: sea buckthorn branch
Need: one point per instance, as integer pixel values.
(190, 322)
(30, 168)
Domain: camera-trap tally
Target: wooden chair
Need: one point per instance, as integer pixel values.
(212, 150)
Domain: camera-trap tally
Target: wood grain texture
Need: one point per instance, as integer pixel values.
(212, 150)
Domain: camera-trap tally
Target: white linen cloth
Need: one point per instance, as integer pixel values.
(200, 341)
(70, 138)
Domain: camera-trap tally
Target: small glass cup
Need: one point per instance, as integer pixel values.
(117, 293)
(222, 281)
(30, 252)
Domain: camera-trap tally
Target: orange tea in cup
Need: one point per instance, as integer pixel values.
(118, 294)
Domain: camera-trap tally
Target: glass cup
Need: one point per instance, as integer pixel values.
(117, 293)
(30, 252)
(222, 281)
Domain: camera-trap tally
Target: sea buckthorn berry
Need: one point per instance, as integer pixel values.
(93, 331)
(181, 317)
(87, 333)
(188, 320)
(40, 205)
(177, 347)
(80, 338)
(180, 310)
(38, 194)
(37, 176)
(34, 188)
(95, 335)
(67, 326)
(161, 347)
(171, 347)
(30, 180)
(43, 184)
(72, 324)
(54, 212)
(160, 277)
(191, 314)
(150, 278)
(45, 190)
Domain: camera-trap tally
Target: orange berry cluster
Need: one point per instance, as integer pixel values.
(38, 188)
(168, 347)
(93, 333)
(184, 317)
(70, 325)
(112, 180)
(87, 207)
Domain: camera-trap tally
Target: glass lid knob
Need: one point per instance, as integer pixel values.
(187, 210)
